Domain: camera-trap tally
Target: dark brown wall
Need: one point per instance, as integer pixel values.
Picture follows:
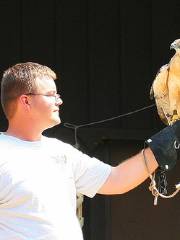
(106, 54)
(131, 216)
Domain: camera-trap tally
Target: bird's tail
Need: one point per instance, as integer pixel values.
(151, 94)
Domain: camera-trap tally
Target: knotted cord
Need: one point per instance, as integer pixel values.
(154, 190)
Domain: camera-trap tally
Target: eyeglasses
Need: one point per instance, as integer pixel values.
(56, 96)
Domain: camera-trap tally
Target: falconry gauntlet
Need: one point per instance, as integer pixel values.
(165, 146)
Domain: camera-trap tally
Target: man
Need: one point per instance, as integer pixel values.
(40, 176)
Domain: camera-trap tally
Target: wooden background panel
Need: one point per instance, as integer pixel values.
(73, 54)
(165, 29)
(106, 53)
(135, 61)
(104, 59)
(10, 41)
(38, 32)
(10, 19)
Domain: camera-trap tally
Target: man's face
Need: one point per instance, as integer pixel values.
(45, 103)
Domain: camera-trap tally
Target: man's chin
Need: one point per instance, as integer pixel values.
(57, 121)
(54, 123)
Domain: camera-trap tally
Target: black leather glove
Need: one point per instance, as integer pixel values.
(165, 146)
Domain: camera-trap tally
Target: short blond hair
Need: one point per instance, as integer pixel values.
(21, 79)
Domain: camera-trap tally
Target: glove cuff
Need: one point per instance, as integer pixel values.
(164, 146)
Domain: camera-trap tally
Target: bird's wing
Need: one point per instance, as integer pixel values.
(174, 85)
(159, 91)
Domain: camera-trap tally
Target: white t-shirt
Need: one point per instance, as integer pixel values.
(38, 186)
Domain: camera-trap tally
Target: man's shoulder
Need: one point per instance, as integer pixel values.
(55, 142)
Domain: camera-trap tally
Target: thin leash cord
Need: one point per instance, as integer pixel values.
(76, 127)
(153, 187)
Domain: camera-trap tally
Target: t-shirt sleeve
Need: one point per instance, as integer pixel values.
(89, 173)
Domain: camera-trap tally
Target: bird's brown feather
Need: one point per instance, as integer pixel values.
(166, 88)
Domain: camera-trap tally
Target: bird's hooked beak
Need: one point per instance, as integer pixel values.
(173, 46)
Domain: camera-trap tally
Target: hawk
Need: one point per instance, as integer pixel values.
(165, 89)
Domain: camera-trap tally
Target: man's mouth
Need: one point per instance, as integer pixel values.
(56, 110)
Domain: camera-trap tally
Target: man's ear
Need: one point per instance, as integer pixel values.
(24, 101)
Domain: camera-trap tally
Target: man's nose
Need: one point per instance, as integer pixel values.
(59, 101)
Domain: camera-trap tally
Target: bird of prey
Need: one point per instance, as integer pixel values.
(165, 88)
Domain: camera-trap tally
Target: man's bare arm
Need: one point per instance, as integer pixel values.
(129, 174)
